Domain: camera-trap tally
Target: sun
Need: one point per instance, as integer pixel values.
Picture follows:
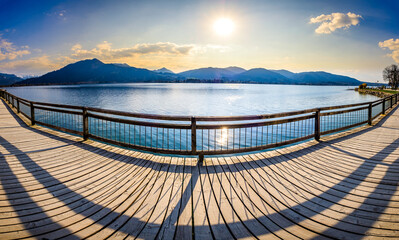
(223, 26)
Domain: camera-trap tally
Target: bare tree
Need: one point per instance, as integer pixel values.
(391, 75)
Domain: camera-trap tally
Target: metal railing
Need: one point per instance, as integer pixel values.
(185, 135)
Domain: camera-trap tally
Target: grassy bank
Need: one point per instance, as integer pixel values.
(377, 92)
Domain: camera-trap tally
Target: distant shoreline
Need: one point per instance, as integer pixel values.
(376, 92)
(202, 81)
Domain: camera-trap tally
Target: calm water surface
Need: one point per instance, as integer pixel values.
(195, 99)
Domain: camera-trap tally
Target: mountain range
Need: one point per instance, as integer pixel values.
(8, 79)
(95, 71)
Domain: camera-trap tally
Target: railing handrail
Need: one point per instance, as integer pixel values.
(198, 118)
(214, 123)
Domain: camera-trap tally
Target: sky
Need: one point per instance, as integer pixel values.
(356, 38)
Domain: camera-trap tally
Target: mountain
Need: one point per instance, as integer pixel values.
(95, 71)
(8, 79)
(209, 73)
(323, 78)
(163, 70)
(285, 73)
(261, 75)
(235, 70)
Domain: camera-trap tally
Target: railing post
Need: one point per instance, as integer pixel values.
(391, 101)
(32, 113)
(193, 136)
(383, 106)
(85, 124)
(317, 125)
(370, 117)
(18, 109)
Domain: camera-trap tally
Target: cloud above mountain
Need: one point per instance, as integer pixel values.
(141, 55)
(392, 45)
(331, 22)
(105, 51)
(8, 51)
(35, 65)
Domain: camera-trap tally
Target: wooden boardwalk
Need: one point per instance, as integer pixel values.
(54, 185)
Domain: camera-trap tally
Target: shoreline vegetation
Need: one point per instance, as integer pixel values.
(381, 93)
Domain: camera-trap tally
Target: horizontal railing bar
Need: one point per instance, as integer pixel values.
(344, 106)
(376, 104)
(20, 99)
(58, 110)
(141, 123)
(258, 148)
(23, 101)
(138, 147)
(60, 128)
(342, 111)
(256, 124)
(253, 117)
(343, 128)
(26, 115)
(140, 115)
(56, 105)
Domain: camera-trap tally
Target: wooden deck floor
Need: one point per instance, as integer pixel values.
(54, 185)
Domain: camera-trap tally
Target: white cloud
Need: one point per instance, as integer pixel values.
(10, 52)
(392, 45)
(146, 55)
(104, 51)
(334, 21)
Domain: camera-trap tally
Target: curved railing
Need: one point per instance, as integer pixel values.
(185, 135)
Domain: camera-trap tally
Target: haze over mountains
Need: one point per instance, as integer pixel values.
(95, 71)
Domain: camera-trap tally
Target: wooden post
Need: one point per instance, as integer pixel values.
(391, 101)
(317, 125)
(201, 158)
(32, 113)
(85, 124)
(383, 106)
(193, 136)
(370, 115)
(18, 109)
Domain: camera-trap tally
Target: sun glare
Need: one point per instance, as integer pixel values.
(223, 26)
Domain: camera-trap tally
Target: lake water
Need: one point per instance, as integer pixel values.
(195, 99)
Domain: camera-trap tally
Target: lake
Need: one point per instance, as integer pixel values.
(195, 99)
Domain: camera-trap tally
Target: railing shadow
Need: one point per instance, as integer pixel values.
(24, 215)
(41, 173)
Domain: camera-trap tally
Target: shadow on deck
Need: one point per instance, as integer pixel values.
(54, 185)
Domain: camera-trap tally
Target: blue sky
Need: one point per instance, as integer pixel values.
(354, 38)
